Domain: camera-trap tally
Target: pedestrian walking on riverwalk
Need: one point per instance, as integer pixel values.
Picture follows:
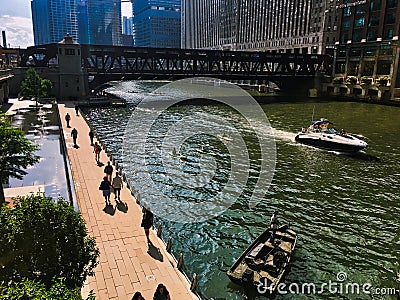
(108, 170)
(117, 184)
(161, 293)
(105, 186)
(77, 110)
(96, 151)
(91, 136)
(147, 222)
(138, 296)
(67, 119)
(74, 134)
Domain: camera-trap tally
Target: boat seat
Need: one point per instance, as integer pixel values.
(258, 251)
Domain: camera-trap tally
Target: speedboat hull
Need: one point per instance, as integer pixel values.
(332, 142)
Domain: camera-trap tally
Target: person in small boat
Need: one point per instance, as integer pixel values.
(343, 132)
(174, 151)
(274, 222)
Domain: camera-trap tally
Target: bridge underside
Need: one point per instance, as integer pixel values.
(108, 63)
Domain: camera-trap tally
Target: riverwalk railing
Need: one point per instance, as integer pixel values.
(136, 195)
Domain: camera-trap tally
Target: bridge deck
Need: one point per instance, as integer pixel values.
(125, 265)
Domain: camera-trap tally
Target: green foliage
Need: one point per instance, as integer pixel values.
(338, 79)
(35, 290)
(16, 153)
(351, 80)
(366, 80)
(383, 80)
(34, 86)
(42, 240)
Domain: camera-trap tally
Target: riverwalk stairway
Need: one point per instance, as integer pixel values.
(125, 265)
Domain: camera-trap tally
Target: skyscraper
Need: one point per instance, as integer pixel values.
(53, 19)
(157, 23)
(100, 22)
(127, 24)
(281, 25)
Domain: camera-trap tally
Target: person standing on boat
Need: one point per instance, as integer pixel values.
(274, 222)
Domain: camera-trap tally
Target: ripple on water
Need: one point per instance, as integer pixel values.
(344, 209)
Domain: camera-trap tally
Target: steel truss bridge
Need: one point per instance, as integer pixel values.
(107, 63)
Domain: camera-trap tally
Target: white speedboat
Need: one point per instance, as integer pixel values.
(319, 135)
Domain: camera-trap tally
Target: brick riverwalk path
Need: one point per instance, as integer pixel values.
(125, 266)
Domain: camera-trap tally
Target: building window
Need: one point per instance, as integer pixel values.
(369, 51)
(357, 35)
(371, 36)
(355, 52)
(344, 38)
(373, 21)
(69, 51)
(391, 4)
(60, 51)
(340, 67)
(388, 33)
(345, 24)
(347, 12)
(359, 23)
(390, 19)
(383, 67)
(375, 5)
(361, 9)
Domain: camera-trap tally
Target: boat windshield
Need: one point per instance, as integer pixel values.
(329, 131)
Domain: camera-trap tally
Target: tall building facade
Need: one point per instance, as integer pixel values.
(127, 25)
(279, 25)
(368, 46)
(53, 19)
(101, 22)
(86, 21)
(157, 23)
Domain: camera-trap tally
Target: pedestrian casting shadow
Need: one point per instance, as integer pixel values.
(122, 206)
(155, 252)
(100, 164)
(109, 209)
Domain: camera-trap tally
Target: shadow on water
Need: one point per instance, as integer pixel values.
(363, 156)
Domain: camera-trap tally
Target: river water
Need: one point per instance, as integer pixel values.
(345, 209)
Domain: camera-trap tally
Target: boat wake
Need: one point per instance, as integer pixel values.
(284, 135)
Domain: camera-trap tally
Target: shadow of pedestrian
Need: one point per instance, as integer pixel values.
(155, 252)
(122, 206)
(100, 164)
(109, 209)
(76, 146)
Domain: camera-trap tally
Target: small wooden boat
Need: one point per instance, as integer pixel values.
(265, 261)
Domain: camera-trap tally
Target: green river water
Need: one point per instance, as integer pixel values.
(345, 209)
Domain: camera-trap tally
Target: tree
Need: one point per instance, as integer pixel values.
(41, 240)
(16, 153)
(34, 86)
(31, 289)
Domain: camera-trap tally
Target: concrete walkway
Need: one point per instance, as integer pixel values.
(125, 266)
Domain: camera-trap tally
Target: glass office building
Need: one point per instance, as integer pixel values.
(157, 23)
(53, 19)
(100, 22)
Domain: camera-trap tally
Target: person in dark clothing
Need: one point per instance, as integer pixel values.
(105, 186)
(77, 109)
(161, 293)
(147, 222)
(67, 119)
(74, 134)
(138, 296)
(108, 170)
(91, 136)
(96, 151)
